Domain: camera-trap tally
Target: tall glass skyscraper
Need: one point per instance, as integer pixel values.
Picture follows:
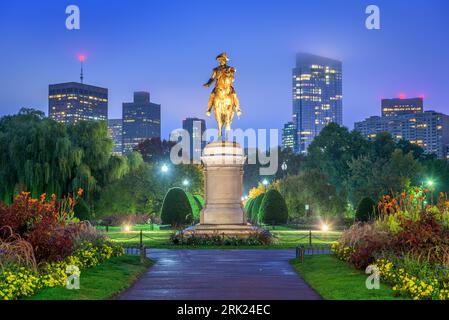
(317, 96)
(72, 102)
(141, 121)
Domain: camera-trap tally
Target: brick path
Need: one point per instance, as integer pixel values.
(220, 275)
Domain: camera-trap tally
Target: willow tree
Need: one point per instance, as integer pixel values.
(39, 155)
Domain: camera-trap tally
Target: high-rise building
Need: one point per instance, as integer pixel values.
(115, 127)
(317, 96)
(141, 121)
(408, 121)
(196, 128)
(399, 106)
(73, 102)
(289, 136)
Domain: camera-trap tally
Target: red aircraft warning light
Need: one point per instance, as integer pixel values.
(81, 57)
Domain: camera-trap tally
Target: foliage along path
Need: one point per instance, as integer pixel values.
(220, 275)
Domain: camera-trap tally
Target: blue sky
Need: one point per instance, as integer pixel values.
(168, 47)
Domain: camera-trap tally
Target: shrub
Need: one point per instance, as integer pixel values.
(366, 241)
(255, 217)
(82, 211)
(40, 222)
(176, 209)
(424, 239)
(194, 205)
(248, 205)
(365, 210)
(200, 200)
(273, 208)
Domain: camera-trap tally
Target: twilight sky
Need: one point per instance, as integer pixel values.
(168, 47)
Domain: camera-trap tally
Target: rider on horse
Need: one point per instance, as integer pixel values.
(223, 98)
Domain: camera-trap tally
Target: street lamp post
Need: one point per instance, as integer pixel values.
(265, 184)
(164, 170)
(430, 184)
(186, 184)
(284, 168)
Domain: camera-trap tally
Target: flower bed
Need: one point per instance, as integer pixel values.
(408, 242)
(256, 238)
(17, 282)
(42, 244)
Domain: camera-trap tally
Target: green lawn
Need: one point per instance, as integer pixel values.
(101, 282)
(285, 239)
(337, 280)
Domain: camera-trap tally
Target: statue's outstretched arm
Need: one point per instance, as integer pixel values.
(211, 80)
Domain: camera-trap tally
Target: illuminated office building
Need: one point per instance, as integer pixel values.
(289, 136)
(73, 102)
(115, 129)
(400, 106)
(405, 119)
(141, 121)
(317, 96)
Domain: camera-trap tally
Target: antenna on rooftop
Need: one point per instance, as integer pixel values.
(82, 58)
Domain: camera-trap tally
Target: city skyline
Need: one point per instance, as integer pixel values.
(119, 55)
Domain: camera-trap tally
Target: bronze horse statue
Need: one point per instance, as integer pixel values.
(223, 98)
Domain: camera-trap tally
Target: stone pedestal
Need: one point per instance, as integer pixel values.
(223, 173)
(223, 211)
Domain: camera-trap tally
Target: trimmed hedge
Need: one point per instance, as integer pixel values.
(273, 208)
(247, 207)
(200, 200)
(195, 205)
(366, 210)
(255, 210)
(176, 209)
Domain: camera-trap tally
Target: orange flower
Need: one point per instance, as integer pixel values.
(416, 189)
(43, 196)
(80, 192)
(424, 190)
(403, 195)
(411, 197)
(387, 197)
(70, 201)
(441, 194)
(53, 196)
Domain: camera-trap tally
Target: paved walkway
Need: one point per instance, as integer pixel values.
(221, 275)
